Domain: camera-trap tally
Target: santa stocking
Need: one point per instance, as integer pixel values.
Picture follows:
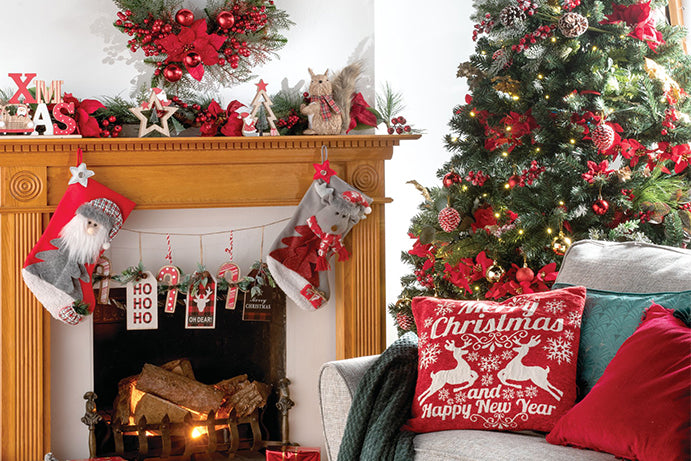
(299, 258)
(59, 268)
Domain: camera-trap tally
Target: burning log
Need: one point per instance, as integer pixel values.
(179, 389)
(155, 408)
(242, 395)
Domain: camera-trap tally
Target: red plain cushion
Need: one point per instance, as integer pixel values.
(639, 408)
(499, 366)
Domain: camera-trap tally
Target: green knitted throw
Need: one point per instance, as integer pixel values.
(381, 405)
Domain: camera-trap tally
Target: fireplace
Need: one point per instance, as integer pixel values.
(216, 172)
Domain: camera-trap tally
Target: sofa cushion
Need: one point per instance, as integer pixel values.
(489, 365)
(639, 409)
(609, 318)
(471, 445)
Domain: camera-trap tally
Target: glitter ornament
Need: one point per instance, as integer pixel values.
(511, 15)
(525, 274)
(572, 25)
(449, 218)
(603, 137)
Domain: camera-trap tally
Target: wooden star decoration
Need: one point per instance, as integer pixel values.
(154, 104)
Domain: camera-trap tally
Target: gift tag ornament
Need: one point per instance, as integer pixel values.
(231, 273)
(142, 303)
(103, 270)
(201, 301)
(170, 275)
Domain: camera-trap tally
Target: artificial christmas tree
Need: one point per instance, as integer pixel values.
(577, 126)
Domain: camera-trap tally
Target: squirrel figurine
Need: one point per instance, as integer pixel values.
(328, 112)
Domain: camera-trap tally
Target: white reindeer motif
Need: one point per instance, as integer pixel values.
(459, 375)
(515, 370)
(202, 300)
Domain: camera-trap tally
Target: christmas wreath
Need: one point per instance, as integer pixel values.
(221, 47)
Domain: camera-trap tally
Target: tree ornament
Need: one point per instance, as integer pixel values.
(404, 321)
(603, 136)
(225, 19)
(511, 15)
(514, 181)
(494, 273)
(172, 73)
(184, 17)
(561, 243)
(451, 178)
(192, 59)
(525, 274)
(449, 218)
(600, 206)
(572, 25)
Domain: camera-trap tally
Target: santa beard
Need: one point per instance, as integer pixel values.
(83, 247)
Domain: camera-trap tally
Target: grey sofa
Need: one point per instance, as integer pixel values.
(622, 267)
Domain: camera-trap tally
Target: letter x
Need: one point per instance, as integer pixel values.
(23, 90)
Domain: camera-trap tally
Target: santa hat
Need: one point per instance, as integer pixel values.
(356, 198)
(105, 212)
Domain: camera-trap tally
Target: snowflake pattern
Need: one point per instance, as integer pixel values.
(519, 394)
(506, 355)
(559, 349)
(530, 391)
(422, 339)
(489, 362)
(444, 394)
(460, 397)
(508, 393)
(428, 322)
(555, 307)
(573, 319)
(472, 357)
(569, 335)
(429, 355)
(443, 309)
(487, 380)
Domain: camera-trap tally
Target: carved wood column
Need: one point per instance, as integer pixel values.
(24, 332)
(361, 298)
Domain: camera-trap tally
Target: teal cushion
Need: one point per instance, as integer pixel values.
(609, 318)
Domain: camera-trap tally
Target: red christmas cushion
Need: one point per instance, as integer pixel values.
(499, 366)
(639, 408)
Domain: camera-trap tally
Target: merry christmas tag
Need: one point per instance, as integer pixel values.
(231, 273)
(170, 275)
(142, 303)
(258, 306)
(201, 302)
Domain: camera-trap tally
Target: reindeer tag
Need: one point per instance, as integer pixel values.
(142, 303)
(201, 301)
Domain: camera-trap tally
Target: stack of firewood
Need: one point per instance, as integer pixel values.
(173, 390)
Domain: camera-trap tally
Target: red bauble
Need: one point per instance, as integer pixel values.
(172, 73)
(449, 218)
(600, 206)
(184, 17)
(603, 136)
(192, 59)
(225, 19)
(514, 181)
(451, 178)
(525, 274)
(404, 321)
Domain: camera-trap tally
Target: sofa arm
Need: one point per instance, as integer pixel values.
(338, 382)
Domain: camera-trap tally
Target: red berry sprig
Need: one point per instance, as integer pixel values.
(569, 5)
(398, 126)
(476, 178)
(110, 128)
(290, 121)
(144, 35)
(485, 26)
(541, 33)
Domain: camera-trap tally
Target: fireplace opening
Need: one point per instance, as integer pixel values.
(240, 361)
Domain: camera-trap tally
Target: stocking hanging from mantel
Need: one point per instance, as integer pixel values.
(299, 258)
(59, 268)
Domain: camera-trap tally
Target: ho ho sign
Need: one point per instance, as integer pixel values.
(142, 303)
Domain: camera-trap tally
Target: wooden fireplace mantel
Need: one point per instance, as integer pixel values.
(172, 173)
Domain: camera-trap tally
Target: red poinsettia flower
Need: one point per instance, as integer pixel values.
(193, 39)
(420, 250)
(459, 274)
(87, 125)
(360, 113)
(596, 169)
(681, 156)
(638, 17)
(484, 218)
(228, 122)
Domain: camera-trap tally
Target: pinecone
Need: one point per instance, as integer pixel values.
(404, 321)
(572, 25)
(449, 218)
(511, 15)
(603, 137)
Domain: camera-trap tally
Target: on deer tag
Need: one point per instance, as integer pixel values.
(201, 302)
(142, 303)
